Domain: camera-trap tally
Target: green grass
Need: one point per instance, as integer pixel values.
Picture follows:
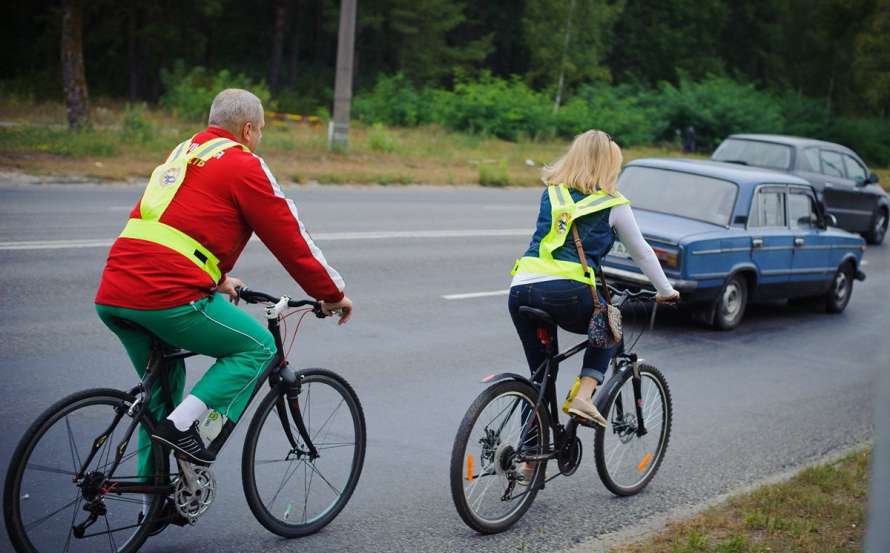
(820, 510)
(129, 141)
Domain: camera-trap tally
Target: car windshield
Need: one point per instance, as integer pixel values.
(692, 196)
(754, 152)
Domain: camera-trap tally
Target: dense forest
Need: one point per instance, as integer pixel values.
(818, 66)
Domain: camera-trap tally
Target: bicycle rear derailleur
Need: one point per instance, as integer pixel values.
(195, 490)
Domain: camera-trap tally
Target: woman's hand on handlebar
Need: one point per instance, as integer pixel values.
(671, 298)
(230, 286)
(342, 308)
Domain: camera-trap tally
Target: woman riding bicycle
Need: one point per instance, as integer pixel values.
(581, 191)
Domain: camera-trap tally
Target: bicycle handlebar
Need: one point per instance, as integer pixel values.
(255, 296)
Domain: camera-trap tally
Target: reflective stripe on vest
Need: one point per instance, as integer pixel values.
(563, 212)
(162, 187)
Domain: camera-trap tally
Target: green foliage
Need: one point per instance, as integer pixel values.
(716, 107)
(59, 142)
(135, 127)
(869, 137)
(490, 106)
(568, 37)
(622, 111)
(189, 93)
(494, 174)
(392, 101)
(380, 140)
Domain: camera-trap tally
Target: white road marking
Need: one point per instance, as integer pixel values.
(324, 236)
(472, 295)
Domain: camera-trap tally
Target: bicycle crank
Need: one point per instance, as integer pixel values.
(195, 490)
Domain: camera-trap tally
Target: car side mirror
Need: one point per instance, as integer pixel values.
(873, 178)
(830, 220)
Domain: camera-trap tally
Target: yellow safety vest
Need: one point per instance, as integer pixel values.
(563, 212)
(162, 187)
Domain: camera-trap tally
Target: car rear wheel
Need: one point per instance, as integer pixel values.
(731, 303)
(879, 227)
(838, 295)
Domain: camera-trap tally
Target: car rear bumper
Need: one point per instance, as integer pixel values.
(640, 280)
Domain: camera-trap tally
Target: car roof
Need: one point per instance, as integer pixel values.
(796, 141)
(740, 174)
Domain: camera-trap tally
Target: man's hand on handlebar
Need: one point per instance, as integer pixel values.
(230, 287)
(342, 308)
(672, 298)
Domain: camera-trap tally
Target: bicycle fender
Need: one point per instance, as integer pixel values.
(492, 378)
(604, 391)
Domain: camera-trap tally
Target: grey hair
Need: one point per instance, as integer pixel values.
(233, 107)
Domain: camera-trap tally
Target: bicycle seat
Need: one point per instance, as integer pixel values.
(536, 315)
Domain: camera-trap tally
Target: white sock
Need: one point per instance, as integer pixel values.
(187, 412)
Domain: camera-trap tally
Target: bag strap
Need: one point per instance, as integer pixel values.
(583, 259)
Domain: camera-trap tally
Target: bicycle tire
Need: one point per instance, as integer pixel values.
(654, 462)
(248, 460)
(12, 493)
(459, 450)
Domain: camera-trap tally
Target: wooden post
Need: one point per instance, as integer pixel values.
(338, 131)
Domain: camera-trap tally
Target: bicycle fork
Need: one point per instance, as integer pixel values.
(289, 403)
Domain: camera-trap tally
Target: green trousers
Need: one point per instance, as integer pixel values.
(212, 326)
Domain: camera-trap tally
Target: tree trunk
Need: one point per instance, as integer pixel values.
(135, 66)
(73, 78)
(294, 52)
(280, 9)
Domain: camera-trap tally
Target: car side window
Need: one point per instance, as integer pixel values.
(832, 164)
(800, 210)
(855, 170)
(768, 209)
(811, 158)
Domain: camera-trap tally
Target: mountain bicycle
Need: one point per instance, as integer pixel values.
(512, 430)
(73, 483)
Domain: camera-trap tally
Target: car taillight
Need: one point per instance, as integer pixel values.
(668, 258)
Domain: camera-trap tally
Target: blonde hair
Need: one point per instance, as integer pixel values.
(592, 163)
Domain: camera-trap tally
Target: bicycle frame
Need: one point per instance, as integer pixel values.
(278, 373)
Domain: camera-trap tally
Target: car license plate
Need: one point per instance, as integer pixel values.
(618, 250)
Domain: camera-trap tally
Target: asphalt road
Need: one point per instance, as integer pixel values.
(788, 386)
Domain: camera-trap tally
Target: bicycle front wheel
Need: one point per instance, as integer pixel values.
(626, 457)
(490, 484)
(291, 492)
(49, 505)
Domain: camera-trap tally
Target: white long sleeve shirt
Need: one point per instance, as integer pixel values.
(621, 218)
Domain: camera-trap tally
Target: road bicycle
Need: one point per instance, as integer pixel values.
(73, 483)
(513, 429)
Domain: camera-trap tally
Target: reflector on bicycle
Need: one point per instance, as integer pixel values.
(488, 378)
(469, 466)
(647, 458)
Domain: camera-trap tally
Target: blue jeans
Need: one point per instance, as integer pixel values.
(570, 304)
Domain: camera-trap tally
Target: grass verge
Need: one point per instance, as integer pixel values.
(128, 143)
(820, 510)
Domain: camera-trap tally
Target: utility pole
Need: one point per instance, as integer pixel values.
(338, 131)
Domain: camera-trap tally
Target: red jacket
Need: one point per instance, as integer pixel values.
(220, 205)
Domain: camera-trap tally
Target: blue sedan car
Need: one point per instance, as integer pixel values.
(727, 234)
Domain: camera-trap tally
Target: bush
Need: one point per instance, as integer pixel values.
(869, 137)
(494, 174)
(189, 93)
(134, 126)
(393, 101)
(715, 107)
(618, 111)
(507, 109)
(380, 140)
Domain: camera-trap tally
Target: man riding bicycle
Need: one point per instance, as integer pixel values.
(168, 270)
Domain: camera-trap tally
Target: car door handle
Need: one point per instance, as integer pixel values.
(798, 241)
(757, 242)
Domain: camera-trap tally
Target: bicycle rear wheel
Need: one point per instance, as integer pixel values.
(44, 501)
(291, 493)
(625, 460)
(485, 471)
